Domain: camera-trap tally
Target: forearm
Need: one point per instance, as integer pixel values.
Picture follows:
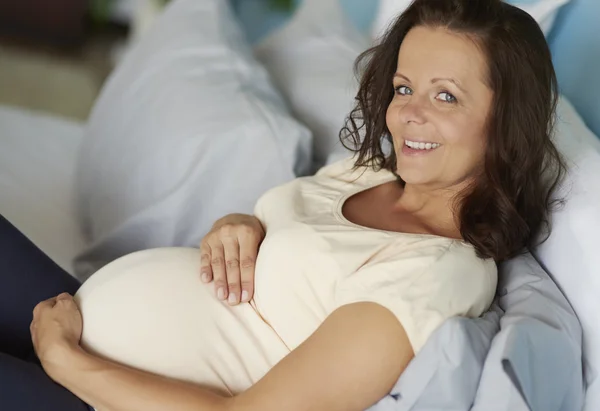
(109, 386)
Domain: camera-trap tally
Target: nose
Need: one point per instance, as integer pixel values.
(413, 111)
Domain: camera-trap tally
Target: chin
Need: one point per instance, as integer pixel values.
(412, 176)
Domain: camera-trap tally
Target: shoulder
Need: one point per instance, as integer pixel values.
(336, 168)
(455, 264)
(430, 259)
(330, 180)
(437, 262)
(424, 281)
(432, 250)
(462, 254)
(465, 285)
(467, 270)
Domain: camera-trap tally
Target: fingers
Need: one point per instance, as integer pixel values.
(32, 332)
(41, 307)
(232, 265)
(248, 254)
(205, 266)
(49, 303)
(66, 300)
(217, 262)
(228, 257)
(64, 296)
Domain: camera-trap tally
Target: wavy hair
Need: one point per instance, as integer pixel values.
(507, 208)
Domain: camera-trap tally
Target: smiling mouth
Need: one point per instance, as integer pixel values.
(415, 145)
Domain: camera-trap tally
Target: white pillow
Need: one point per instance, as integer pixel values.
(543, 11)
(387, 12)
(187, 129)
(311, 60)
(572, 254)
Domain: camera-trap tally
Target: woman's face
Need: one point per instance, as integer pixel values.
(440, 108)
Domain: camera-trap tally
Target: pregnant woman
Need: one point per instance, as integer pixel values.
(321, 299)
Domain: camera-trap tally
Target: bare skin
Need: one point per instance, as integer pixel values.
(228, 256)
(335, 360)
(442, 96)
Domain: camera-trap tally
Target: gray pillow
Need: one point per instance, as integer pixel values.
(535, 361)
(445, 373)
(524, 354)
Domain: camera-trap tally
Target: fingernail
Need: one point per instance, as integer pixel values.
(232, 299)
(205, 277)
(244, 295)
(221, 294)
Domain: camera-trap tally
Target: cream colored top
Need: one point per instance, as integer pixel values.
(151, 311)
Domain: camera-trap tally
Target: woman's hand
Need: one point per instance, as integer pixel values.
(229, 254)
(55, 330)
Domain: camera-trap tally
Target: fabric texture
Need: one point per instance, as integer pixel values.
(38, 153)
(187, 129)
(311, 262)
(535, 361)
(573, 42)
(387, 12)
(445, 374)
(311, 61)
(27, 277)
(570, 254)
(150, 310)
(25, 386)
(524, 354)
(439, 279)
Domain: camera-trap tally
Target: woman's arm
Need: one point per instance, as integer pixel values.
(352, 360)
(108, 386)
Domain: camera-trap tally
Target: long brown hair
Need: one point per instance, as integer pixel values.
(508, 207)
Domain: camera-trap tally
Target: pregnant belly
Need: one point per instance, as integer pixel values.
(149, 310)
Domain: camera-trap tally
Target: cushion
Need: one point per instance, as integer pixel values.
(38, 153)
(444, 375)
(574, 42)
(311, 61)
(570, 254)
(543, 11)
(523, 354)
(187, 129)
(534, 361)
(387, 12)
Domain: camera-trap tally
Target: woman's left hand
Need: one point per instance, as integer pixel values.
(56, 329)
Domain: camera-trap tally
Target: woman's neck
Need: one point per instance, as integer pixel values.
(434, 207)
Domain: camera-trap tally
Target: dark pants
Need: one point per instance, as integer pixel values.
(27, 276)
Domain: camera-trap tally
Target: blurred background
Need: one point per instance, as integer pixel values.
(56, 54)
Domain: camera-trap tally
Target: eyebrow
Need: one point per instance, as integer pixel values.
(435, 80)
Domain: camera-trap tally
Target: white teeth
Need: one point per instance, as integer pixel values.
(421, 146)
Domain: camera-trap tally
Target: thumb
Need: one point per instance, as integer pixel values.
(64, 296)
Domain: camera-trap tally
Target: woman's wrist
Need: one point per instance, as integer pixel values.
(63, 361)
